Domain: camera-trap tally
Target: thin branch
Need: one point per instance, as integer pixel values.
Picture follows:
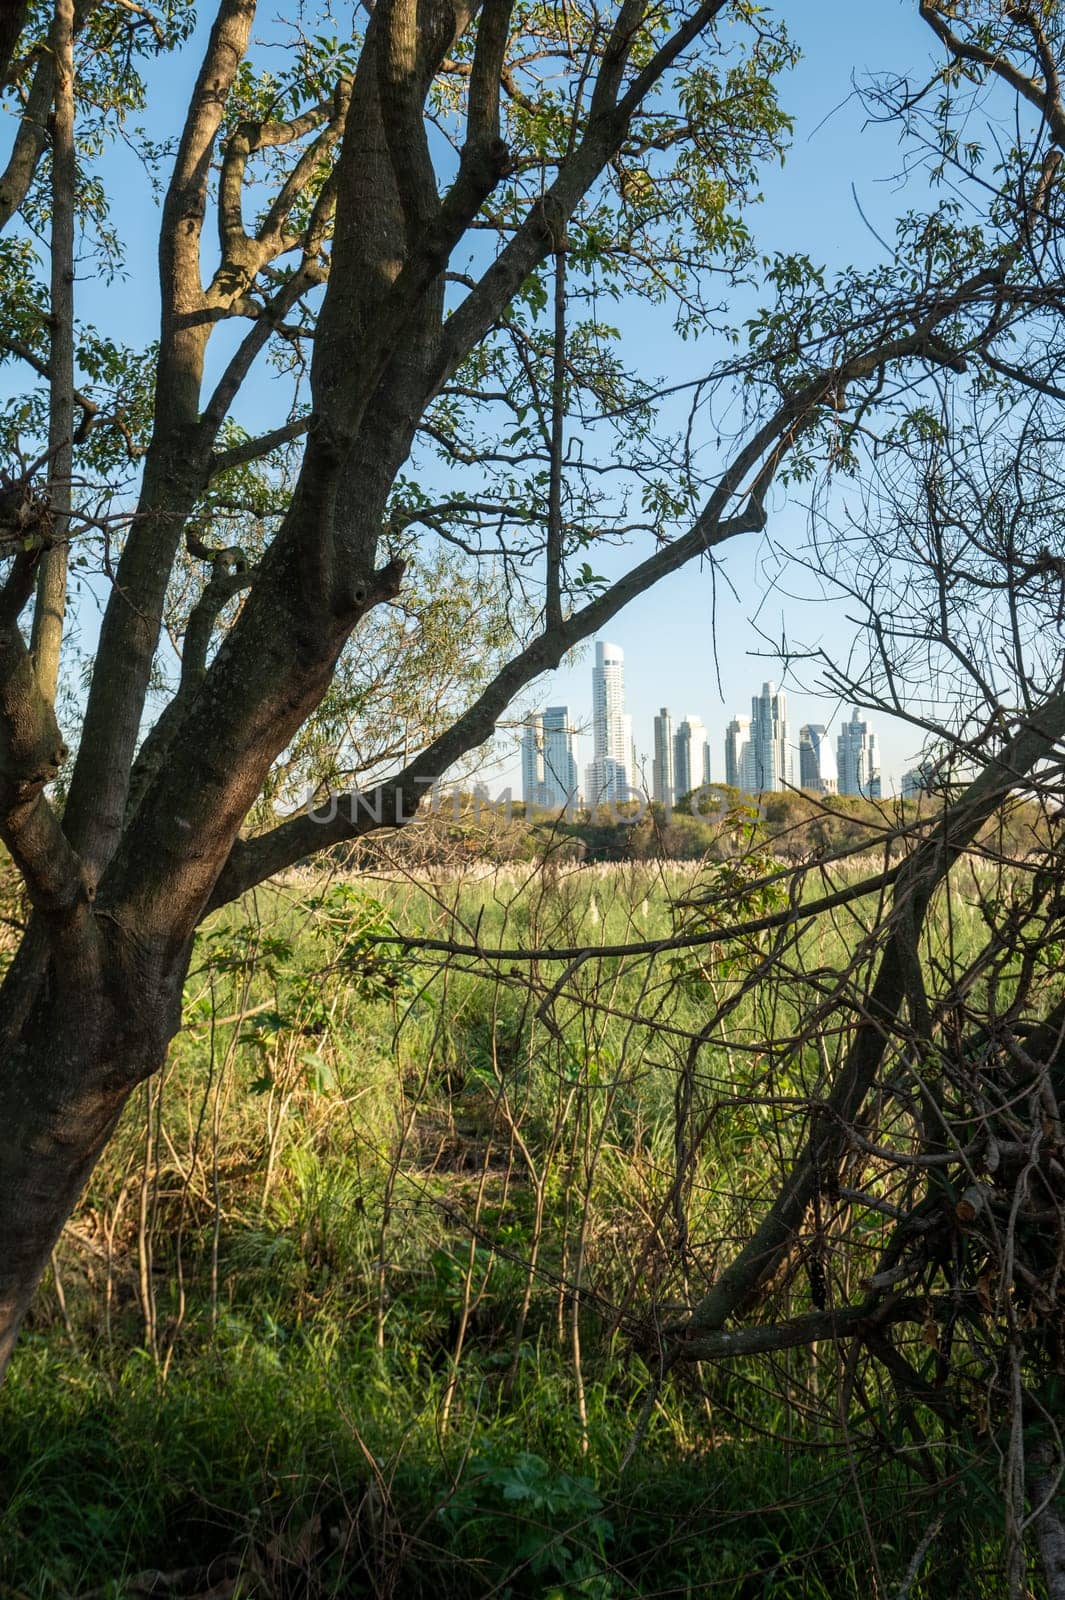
(553, 601)
(89, 408)
(1035, 92)
(755, 1264)
(50, 611)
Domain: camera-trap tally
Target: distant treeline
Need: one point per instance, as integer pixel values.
(797, 826)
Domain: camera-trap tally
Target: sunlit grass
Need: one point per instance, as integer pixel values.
(370, 1277)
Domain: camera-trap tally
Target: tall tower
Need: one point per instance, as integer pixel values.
(560, 760)
(738, 754)
(532, 760)
(859, 758)
(918, 780)
(611, 729)
(770, 740)
(632, 771)
(817, 764)
(691, 755)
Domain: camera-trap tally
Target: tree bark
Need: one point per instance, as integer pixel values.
(1048, 1524)
(80, 1027)
(47, 638)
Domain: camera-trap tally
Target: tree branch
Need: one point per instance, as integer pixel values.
(31, 754)
(921, 874)
(1037, 94)
(844, 1322)
(228, 578)
(309, 274)
(12, 20)
(50, 611)
(186, 198)
(30, 140)
(89, 409)
(244, 256)
(486, 76)
(238, 455)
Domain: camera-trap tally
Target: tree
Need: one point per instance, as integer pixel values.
(440, 202)
(148, 841)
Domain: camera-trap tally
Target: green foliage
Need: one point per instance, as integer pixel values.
(524, 1517)
(328, 1329)
(368, 961)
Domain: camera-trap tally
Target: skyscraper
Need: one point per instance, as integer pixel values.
(560, 760)
(633, 773)
(771, 756)
(548, 759)
(738, 754)
(817, 763)
(691, 756)
(609, 774)
(859, 758)
(532, 760)
(918, 780)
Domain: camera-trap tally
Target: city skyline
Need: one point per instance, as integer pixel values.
(758, 753)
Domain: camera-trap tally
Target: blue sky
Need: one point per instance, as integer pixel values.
(677, 644)
(675, 651)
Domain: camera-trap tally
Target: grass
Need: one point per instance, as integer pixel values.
(363, 1297)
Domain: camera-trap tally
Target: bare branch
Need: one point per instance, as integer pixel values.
(921, 875)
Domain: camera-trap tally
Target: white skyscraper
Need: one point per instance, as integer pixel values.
(609, 774)
(771, 754)
(738, 764)
(633, 774)
(859, 758)
(817, 763)
(691, 756)
(662, 768)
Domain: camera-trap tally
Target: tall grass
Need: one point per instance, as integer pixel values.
(366, 1295)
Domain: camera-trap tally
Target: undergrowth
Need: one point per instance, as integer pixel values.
(366, 1296)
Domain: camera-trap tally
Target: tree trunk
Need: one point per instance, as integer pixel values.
(73, 1051)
